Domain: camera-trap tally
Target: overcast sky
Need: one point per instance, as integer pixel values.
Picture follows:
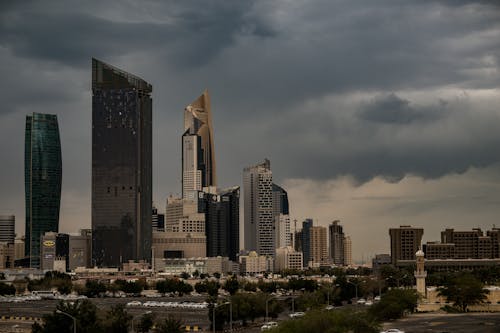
(377, 113)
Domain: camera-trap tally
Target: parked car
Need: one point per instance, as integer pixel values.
(134, 303)
(296, 314)
(268, 326)
(361, 301)
(393, 330)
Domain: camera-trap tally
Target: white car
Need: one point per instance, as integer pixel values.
(393, 330)
(368, 303)
(376, 298)
(134, 303)
(361, 301)
(296, 315)
(268, 326)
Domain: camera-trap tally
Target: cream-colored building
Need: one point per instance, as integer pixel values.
(253, 263)
(347, 251)
(287, 258)
(6, 255)
(179, 244)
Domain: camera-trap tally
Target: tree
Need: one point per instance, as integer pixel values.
(84, 311)
(232, 285)
(170, 325)
(94, 288)
(6, 289)
(464, 290)
(394, 304)
(117, 319)
(145, 323)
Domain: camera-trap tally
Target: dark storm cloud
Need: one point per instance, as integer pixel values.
(190, 35)
(392, 109)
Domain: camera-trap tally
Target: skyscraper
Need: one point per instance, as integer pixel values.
(305, 241)
(42, 179)
(121, 166)
(198, 154)
(336, 243)
(258, 208)
(319, 247)
(222, 216)
(347, 251)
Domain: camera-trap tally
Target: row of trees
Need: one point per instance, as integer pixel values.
(89, 319)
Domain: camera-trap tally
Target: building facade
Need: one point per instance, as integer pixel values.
(337, 237)
(258, 209)
(222, 216)
(347, 251)
(198, 153)
(405, 242)
(43, 177)
(287, 258)
(121, 166)
(319, 247)
(305, 241)
(7, 228)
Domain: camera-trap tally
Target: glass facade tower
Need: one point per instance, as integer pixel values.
(42, 178)
(121, 166)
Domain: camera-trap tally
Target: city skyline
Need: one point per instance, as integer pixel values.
(364, 125)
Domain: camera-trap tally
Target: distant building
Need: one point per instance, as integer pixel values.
(222, 217)
(71, 251)
(319, 247)
(337, 236)
(42, 179)
(7, 228)
(347, 251)
(19, 248)
(6, 255)
(379, 261)
(201, 265)
(198, 153)
(305, 241)
(157, 220)
(287, 258)
(258, 209)
(283, 237)
(181, 244)
(405, 242)
(254, 263)
(121, 166)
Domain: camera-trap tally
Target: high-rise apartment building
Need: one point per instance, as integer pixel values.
(305, 241)
(222, 216)
(283, 237)
(121, 166)
(319, 246)
(258, 209)
(42, 179)
(347, 251)
(280, 201)
(198, 154)
(494, 234)
(7, 228)
(468, 244)
(337, 236)
(405, 242)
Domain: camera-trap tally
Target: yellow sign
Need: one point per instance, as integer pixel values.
(49, 243)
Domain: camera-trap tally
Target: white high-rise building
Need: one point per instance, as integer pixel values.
(258, 206)
(191, 173)
(283, 237)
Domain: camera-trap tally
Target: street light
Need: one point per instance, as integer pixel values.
(68, 315)
(230, 314)
(356, 286)
(328, 294)
(145, 313)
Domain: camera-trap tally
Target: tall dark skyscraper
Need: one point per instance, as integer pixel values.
(121, 166)
(307, 224)
(222, 220)
(42, 179)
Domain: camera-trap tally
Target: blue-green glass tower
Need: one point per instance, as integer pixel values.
(42, 178)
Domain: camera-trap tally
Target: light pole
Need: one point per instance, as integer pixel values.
(328, 293)
(68, 315)
(356, 286)
(267, 303)
(145, 313)
(230, 314)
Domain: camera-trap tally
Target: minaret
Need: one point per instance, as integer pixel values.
(420, 273)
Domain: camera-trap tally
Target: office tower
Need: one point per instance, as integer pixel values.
(65, 252)
(468, 244)
(198, 154)
(336, 243)
(258, 208)
(222, 216)
(347, 251)
(319, 247)
(121, 166)
(287, 258)
(305, 237)
(405, 242)
(42, 179)
(494, 234)
(7, 228)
